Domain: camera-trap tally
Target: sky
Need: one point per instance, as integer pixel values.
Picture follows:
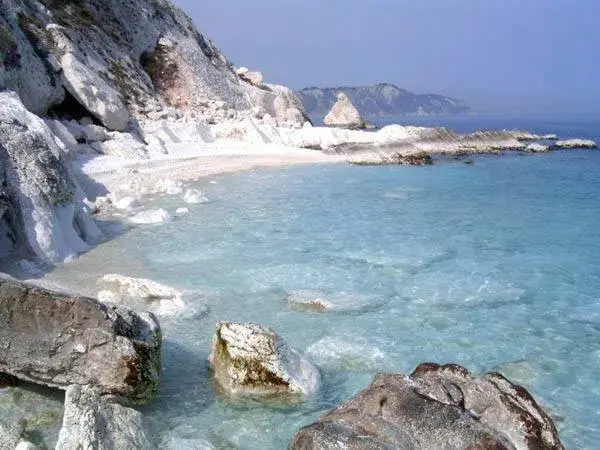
(497, 55)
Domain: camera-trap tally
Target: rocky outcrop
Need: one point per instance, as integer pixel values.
(436, 407)
(119, 58)
(575, 143)
(43, 213)
(419, 158)
(58, 340)
(253, 361)
(344, 115)
(381, 100)
(91, 422)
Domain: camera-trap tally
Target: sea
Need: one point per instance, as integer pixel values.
(494, 265)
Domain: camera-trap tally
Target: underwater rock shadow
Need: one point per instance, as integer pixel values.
(186, 381)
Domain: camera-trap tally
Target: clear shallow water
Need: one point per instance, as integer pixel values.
(495, 266)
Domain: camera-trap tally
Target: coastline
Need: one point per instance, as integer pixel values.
(105, 174)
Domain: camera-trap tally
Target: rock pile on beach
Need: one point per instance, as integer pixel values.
(436, 407)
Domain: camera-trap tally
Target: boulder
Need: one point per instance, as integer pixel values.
(95, 94)
(344, 115)
(45, 213)
(91, 422)
(57, 340)
(253, 361)
(436, 407)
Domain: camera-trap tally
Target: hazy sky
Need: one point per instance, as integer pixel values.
(506, 55)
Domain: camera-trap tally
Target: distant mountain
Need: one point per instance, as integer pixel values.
(381, 100)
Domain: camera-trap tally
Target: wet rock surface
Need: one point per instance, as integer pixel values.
(436, 407)
(57, 340)
(253, 361)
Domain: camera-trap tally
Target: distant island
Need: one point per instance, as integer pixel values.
(380, 100)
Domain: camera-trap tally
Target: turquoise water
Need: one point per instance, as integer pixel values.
(495, 266)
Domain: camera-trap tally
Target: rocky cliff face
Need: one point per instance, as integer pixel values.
(120, 58)
(381, 100)
(102, 67)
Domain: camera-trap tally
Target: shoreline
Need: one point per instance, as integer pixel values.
(102, 175)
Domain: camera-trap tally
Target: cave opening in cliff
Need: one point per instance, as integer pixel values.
(71, 109)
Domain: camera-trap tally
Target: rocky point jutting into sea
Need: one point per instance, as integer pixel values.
(105, 103)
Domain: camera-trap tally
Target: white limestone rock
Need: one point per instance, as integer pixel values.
(169, 187)
(252, 77)
(182, 211)
(153, 216)
(343, 114)
(47, 213)
(21, 68)
(10, 434)
(125, 145)
(95, 133)
(535, 147)
(141, 294)
(26, 445)
(91, 422)
(64, 137)
(194, 196)
(253, 361)
(576, 143)
(95, 94)
(127, 203)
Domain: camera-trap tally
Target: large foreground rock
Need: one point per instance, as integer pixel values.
(253, 361)
(436, 407)
(343, 114)
(90, 422)
(58, 340)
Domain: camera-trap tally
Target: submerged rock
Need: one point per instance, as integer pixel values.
(57, 340)
(344, 115)
(91, 422)
(420, 158)
(150, 217)
(194, 196)
(145, 294)
(253, 361)
(436, 407)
